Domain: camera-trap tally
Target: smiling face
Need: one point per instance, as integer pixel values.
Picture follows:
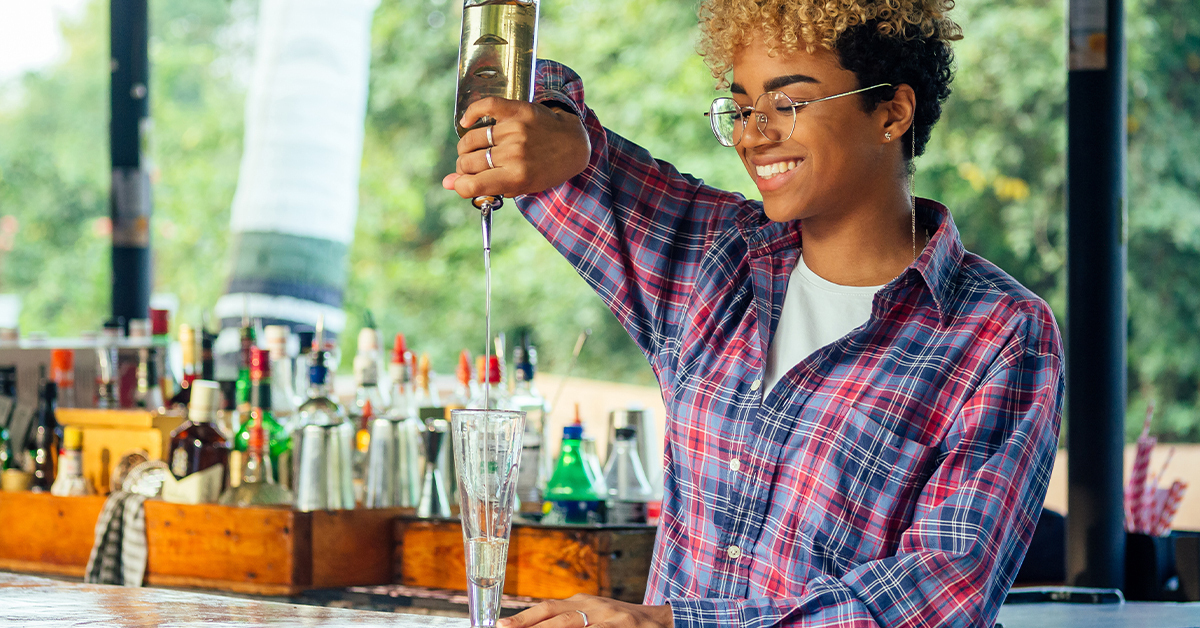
(837, 159)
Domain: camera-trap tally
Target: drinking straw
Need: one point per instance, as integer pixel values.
(1137, 478)
(1170, 507)
(1151, 507)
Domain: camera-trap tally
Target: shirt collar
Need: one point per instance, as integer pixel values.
(936, 266)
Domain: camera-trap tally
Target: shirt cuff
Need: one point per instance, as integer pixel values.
(705, 613)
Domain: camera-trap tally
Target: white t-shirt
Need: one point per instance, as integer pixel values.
(816, 312)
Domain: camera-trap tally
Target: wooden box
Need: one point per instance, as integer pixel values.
(543, 561)
(265, 551)
(110, 434)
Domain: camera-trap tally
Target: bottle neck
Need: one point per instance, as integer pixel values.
(257, 467)
(260, 394)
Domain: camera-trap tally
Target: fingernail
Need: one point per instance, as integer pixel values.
(503, 623)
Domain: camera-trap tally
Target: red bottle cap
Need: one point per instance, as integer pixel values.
(494, 370)
(62, 367)
(464, 368)
(399, 349)
(260, 363)
(160, 324)
(255, 442)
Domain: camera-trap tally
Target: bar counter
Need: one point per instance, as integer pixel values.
(29, 601)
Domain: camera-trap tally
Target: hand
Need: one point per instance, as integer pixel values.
(536, 148)
(601, 613)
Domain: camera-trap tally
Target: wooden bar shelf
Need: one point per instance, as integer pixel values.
(263, 551)
(551, 562)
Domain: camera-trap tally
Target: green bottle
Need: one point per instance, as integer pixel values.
(244, 387)
(572, 495)
(279, 441)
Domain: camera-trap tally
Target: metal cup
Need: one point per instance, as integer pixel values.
(382, 465)
(311, 484)
(435, 501)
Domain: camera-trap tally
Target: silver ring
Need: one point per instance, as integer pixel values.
(488, 156)
(586, 623)
(490, 139)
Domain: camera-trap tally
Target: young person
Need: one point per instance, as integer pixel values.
(862, 416)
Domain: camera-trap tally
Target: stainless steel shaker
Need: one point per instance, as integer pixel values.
(435, 498)
(325, 480)
(395, 463)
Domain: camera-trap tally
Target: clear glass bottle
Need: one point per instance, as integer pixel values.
(496, 395)
(70, 481)
(534, 472)
(258, 487)
(187, 351)
(283, 395)
(425, 394)
(628, 489)
(148, 395)
(199, 452)
(400, 372)
(62, 371)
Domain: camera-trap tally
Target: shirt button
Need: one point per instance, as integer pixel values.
(733, 552)
(755, 385)
(735, 465)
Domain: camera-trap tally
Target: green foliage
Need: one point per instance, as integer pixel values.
(997, 159)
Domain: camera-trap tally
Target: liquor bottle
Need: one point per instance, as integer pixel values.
(248, 339)
(160, 338)
(492, 390)
(62, 371)
(462, 391)
(571, 495)
(8, 392)
(321, 408)
(366, 378)
(208, 365)
(148, 395)
(279, 441)
(199, 452)
(534, 472)
(283, 395)
(258, 486)
(107, 371)
(187, 350)
(70, 481)
(400, 372)
(425, 396)
(628, 489)
(45, 445)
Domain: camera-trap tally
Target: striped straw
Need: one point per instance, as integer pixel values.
(1170, 507)
(1136, 517)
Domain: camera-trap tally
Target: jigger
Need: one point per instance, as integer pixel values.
(326, 477)
(435, 501)
(395, 463)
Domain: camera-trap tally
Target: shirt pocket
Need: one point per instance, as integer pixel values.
(865, 482)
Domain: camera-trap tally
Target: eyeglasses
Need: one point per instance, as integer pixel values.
(774, 114)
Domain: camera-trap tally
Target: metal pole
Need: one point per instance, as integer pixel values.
(129, 197)
(1096, 310)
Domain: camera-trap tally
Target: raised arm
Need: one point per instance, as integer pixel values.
(634, 228)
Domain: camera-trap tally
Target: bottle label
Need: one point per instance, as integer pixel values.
(560, 512)
(71, 464)
(201, 487)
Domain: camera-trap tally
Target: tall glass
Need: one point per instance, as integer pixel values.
(487, 453)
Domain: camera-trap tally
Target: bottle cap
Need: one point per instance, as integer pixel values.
(573, 432)
(317, 374)
(205, 402)
(480, 371)
(277, 340)
(72, 437)
(494, 370)
(463, 372)
(62, 366)
(255, 443)
(260, 364)
(368, 340)
(160, 322)
(399, 348)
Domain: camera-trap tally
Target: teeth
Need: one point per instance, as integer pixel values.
(770, 170)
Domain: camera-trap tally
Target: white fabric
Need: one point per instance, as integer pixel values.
(304, 119)
(816, 312)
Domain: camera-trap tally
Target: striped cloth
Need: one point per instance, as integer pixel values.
(119, 550)
(892, 478)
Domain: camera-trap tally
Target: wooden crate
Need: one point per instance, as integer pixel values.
(543, 561)
(265, 551)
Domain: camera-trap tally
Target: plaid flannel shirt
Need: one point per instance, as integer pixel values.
(892, 478)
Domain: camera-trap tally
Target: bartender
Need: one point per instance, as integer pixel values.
(862, 416)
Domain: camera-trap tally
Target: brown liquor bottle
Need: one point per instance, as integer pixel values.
(199, 454)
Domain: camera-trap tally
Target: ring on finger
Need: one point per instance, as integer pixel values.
(491, 140)
(582, 614)
(488, 156)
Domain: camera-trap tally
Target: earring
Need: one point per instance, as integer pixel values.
(888, 136)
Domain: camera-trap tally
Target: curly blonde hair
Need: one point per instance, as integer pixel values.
(789, 25)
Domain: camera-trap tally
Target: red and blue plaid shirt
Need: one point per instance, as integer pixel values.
(894, 477)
